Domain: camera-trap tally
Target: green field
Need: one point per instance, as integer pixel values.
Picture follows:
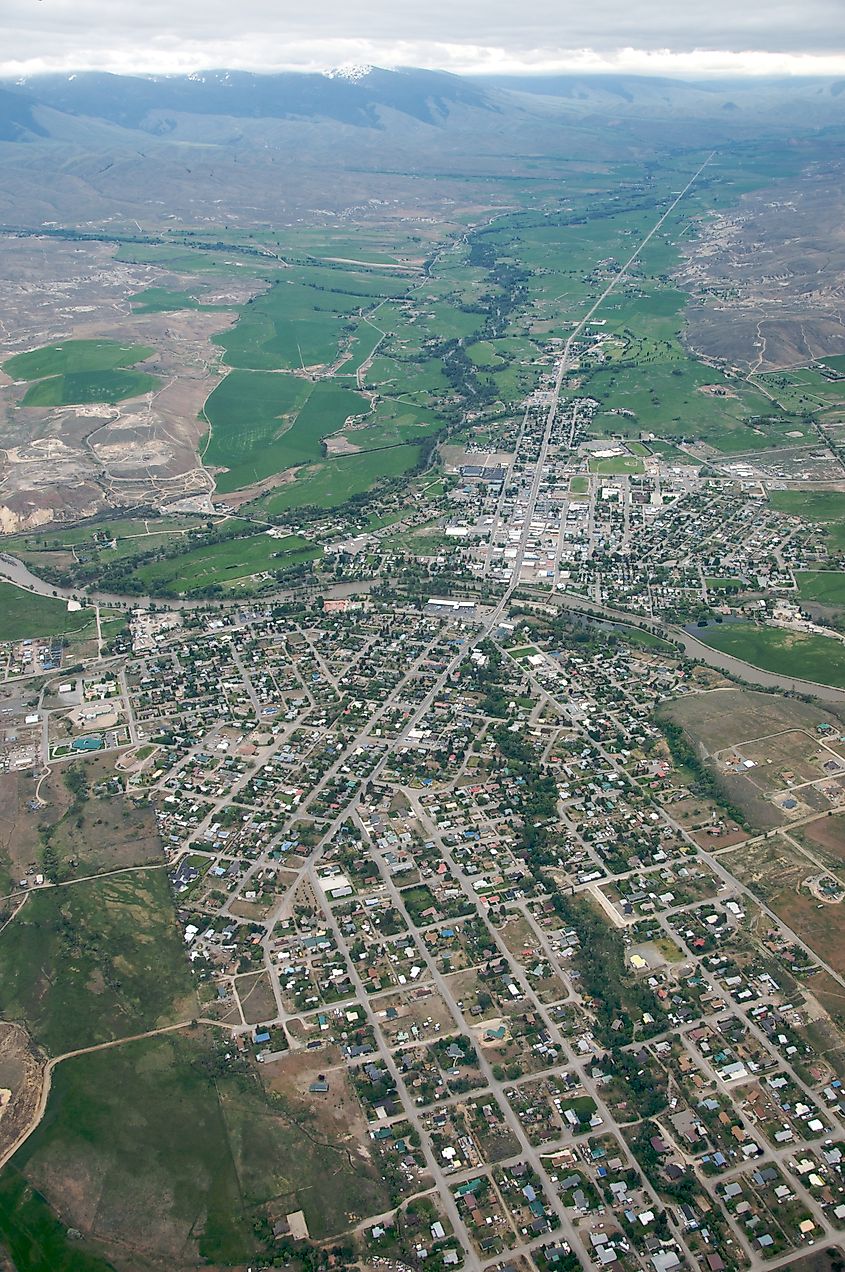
(332, 483)
(825, 586)
(225, 564)
(579, 485)
(90, 386)
(302, 318)
(74, 357)
(262, 423)
(617, 465)
(95, 961)
(822, 507)
(795, 654)
(161, 300)
(169, 1128)
(24, 615)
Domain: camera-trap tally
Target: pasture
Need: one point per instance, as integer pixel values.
(24, 616)
(787, 653)
(227, 564)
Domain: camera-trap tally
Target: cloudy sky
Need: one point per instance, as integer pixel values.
(685, 37)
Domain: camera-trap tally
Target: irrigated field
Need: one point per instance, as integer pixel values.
(330, 484)
(90, 386)
(263, 423)
(787, 653)
(74, 357)
(81, 371)
(24, 615)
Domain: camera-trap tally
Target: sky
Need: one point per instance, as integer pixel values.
(660, 37)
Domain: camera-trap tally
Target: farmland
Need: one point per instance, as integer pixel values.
(226, 564)
(23, 615)
(74, 357)
(331, 483)
(806, 657)
(262, 423)
(82, 371)
(90, 386)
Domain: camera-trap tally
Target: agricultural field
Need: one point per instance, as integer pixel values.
(787, 653)
(331, 483)
(227, 564)
(74, 357)
(302, 318)
(164, 300)
(262, 423)
(24, 615)
(82, 371)
(90, 386)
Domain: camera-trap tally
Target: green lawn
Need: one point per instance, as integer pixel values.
(795, 654)
(90, 386)
(24, 616)
(825, 586)
(579, 485)
(74, 357)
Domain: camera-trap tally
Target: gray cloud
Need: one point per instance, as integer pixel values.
(662, 35)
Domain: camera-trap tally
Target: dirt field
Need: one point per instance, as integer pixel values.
(21, 1069)
(825, 838)
(730, 716)
(778, 872)
(256, 995)
(734, 724)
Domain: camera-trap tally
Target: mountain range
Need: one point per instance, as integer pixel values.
(92, 145)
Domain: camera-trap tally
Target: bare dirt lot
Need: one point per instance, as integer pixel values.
(778, 872)
(73, 461)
